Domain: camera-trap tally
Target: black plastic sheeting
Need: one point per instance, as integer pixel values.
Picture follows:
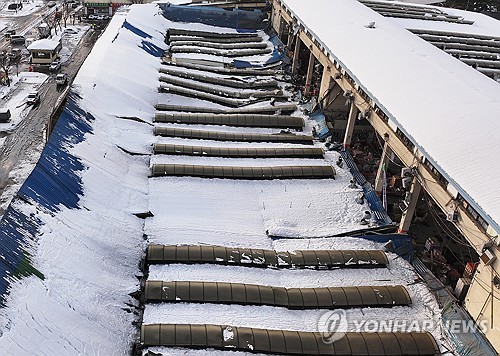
(265, 109)
(221, 40)
(222, 91)
(234, 82)
(221, 70)
(470, 38)
(237, 19)
(249, 173)
(187, 32)
(291, 298)
(237, 120)
(237, 52)
(238, 152)
(410, 11)
(170, 88)
(198, 43)
(315, 259)
(287, 342)
(233, 136)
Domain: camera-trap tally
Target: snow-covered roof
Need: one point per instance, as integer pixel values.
(44, 44)
(448, 109)
(89, 246)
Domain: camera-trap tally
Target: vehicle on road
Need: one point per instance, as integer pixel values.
(51, 4)
(17, 39)
(4, 114)
(55, 66)
(15, 53)
(62, 79)
(33, 98)
(70, 31)
(9, 33)
(15, 6)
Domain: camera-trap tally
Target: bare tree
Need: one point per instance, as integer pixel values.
(57, 19)
(5, 61)
(49, 20)
(15, 60)
(66, 12)
(54, 20)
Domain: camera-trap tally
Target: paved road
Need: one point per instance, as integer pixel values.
(25, 24)
(22, 144)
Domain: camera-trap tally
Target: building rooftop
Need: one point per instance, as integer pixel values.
(44, 44)
(445, 107)
(85, 240)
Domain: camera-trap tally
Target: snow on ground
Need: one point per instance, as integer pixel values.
(89, 255)
(9, 19)
(18, 175)
(22, 84)
(14, 97)
(29, 7)
(71, 37)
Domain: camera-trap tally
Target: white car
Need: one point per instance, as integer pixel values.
(33, 98)
(55, 66)
(62, 79)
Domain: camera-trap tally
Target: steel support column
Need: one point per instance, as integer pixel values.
(326, 83)
(405, 222)
(310, 70)
(384, 161)
(295, 60)
(353, 114)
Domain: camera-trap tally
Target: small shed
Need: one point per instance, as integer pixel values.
(44, 51)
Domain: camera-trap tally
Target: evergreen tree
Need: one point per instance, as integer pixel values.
(474, 5)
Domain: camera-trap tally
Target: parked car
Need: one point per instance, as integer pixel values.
(33, 98)
(70, 31)
(15, 6)
(62, 79)
(55, 66)
(9, 33)
(51, 4)
(17, 39)
(4, 115)
(15, 53)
